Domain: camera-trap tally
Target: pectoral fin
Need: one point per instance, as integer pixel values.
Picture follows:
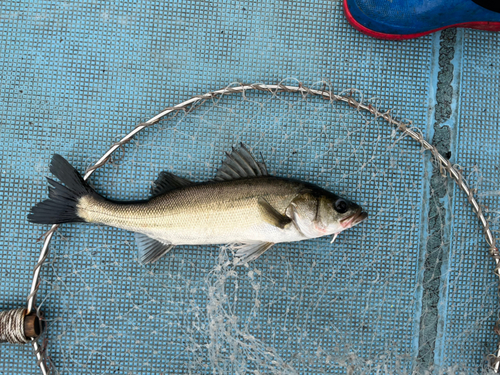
(271, 215)
(150, 250)
(251, 251)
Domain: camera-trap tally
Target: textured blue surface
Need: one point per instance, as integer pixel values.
(74, 77)
(471, 290)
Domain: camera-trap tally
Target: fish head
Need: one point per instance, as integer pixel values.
(319, 213)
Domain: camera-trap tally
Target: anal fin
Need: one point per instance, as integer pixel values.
(250, 251)
(150, 250)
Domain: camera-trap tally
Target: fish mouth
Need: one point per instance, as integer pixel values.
(354, 219)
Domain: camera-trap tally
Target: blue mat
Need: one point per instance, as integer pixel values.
(75, 77)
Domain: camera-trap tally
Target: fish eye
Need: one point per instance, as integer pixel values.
(341, 206)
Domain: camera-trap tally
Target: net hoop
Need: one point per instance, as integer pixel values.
(446, 168)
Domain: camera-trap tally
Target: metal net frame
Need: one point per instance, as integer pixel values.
(347, 97)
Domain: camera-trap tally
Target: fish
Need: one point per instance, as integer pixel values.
(243, 206)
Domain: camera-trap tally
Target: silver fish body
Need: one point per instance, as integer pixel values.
(242, 206)
(208, 213)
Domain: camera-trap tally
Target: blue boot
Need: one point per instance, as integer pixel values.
(406, 19)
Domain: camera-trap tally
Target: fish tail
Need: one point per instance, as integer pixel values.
(62, 205)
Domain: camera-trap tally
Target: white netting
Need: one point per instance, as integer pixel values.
(410, 287)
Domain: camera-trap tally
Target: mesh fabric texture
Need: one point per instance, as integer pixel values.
(77, 76)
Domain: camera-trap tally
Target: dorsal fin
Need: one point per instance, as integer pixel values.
(240, 164)
(167, 181)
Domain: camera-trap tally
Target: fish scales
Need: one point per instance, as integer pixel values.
(207, 213)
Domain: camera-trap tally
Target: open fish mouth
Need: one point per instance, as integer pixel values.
(354, 219)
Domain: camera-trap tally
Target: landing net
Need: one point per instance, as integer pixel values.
(383, 299)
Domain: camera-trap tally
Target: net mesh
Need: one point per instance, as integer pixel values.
(381, 299)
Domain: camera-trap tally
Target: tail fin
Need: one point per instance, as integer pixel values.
(61, 207)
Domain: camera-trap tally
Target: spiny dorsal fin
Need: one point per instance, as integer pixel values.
(240, 164)
(271, 215)
(250, 251)
(167, 181)
(150, 250)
